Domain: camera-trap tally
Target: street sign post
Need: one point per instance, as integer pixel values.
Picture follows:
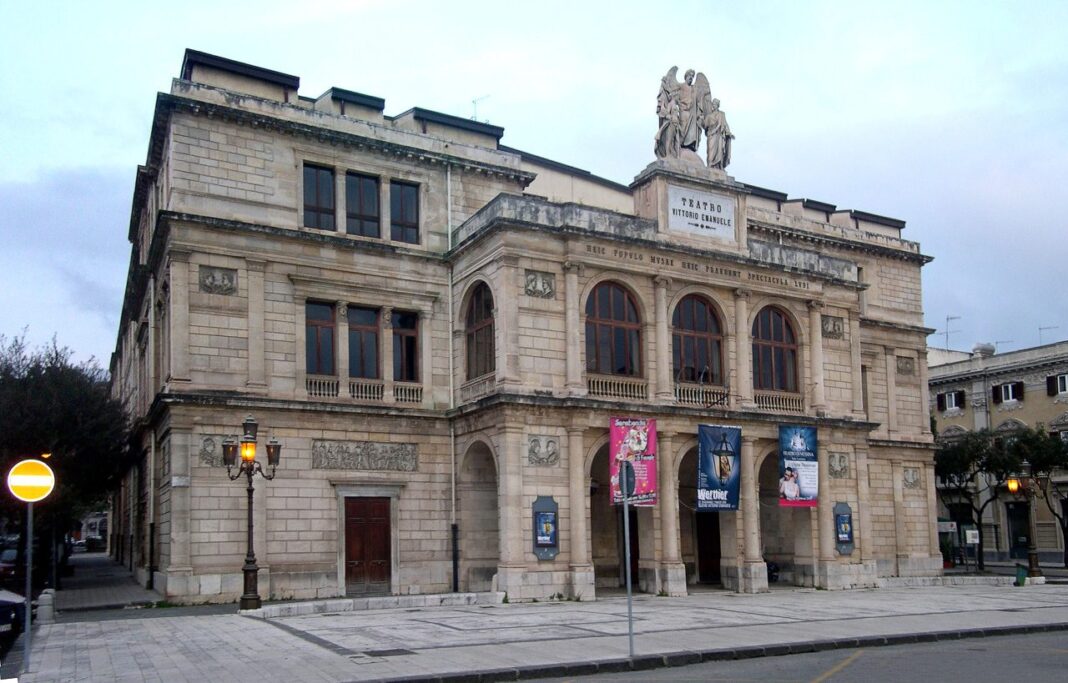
(30, 481)
(626, 487)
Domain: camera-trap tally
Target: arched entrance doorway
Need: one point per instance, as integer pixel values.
(785, 532)
(606, 534)
(699, 531)
(477, 518)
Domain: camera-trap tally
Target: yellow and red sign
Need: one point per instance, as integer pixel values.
(31, 481)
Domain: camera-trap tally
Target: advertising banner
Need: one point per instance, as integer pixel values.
(718, 474)
(633, 439)
(798, 467)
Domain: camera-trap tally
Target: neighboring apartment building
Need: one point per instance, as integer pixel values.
(1003, 392)
(438, 328)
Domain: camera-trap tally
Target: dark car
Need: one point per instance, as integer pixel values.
(12, 613)
(9, 567)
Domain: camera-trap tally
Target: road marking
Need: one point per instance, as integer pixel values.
(838, 667)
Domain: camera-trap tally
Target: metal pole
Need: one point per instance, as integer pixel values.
(1033, 570)
(251, 598)
(29, 589)
(626, 553)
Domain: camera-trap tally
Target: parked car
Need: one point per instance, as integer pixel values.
(78, 546)
(9, 567)
(12, 612)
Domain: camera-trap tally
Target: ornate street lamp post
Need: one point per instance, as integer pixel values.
(1030, 487)
(250, 466)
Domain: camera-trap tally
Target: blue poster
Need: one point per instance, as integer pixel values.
(799, 476)
(718, 474)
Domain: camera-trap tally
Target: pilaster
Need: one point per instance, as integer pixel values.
(257, 378)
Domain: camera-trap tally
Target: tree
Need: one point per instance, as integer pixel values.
(974, 468)
(1047, 455)
(48, 404)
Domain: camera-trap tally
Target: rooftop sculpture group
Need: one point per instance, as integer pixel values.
(685, 110)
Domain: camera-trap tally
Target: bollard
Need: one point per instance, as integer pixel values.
(46, 612)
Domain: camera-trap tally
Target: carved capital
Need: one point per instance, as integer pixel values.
(573, 267)
(742, 294)
(255, 266)
(342, 311)
(662, 281)
(814, 305)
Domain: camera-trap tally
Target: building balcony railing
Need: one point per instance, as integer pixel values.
(780, 402)
(610, 386)
(321, 386)
(366, 389)
(701, 395)
(477, 388)
(404, 392)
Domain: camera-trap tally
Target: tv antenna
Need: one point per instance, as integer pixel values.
(1042, 329)
(949, 319)
(474, 107)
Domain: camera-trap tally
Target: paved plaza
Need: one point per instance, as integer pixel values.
(509, 641)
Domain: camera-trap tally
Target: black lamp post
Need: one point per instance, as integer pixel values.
(1030, 487)
(250, 466)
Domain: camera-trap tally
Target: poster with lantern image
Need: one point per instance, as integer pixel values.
(718, 474)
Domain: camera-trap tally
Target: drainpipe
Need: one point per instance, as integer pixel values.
(454, 529)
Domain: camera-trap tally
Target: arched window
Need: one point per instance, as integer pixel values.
(479, 331)
(774, 352)
(697, 342)
(613, 332)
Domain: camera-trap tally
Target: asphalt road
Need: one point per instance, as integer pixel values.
(1042, 657)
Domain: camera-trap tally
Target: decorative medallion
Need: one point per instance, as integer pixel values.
(211, 451)
(543, 450)
(911, 477)
(218, 280)
(833, 326)
(539, 284)
(364, 455)
(906, 365)
(838, 465)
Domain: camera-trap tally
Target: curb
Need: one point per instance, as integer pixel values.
(686, 658)
(140, 604)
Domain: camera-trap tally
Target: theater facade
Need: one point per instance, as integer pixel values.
(440, 330)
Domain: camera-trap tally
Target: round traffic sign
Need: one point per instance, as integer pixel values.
(31, 481)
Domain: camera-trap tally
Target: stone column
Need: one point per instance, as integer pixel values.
(573, 325)
(341, 347)
(179, 317)
(257, 376)
(925, 424)
(386, 354)
(891, 391)
(825, 525)
(151, 349)
(857, 364)
(864, 503)
(743, 371)
(384, 209)
(510, 508)
(665, 390)
(508, 308)
(815, 356)
(672, 571)
(300, 333)
(933, 551)
(754, 577)
(900, 525)
(426, 352)
(180, 568)
(582, 578)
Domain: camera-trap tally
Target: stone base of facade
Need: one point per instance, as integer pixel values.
(919, 566)
(583, 585)
(839, 576)
(673, 579)
(522, 585)
(751, 577)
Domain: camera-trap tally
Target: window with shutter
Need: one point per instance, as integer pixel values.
(941, 402)
(1057, 384)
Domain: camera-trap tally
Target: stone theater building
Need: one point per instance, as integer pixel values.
(438, 329)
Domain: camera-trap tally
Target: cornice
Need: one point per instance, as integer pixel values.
(837, 242)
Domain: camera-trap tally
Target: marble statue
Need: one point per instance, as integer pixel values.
(685, 109)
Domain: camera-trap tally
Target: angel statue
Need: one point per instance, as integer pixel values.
(684, 110)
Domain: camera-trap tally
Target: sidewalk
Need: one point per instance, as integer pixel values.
(510, 641)
(99, 582)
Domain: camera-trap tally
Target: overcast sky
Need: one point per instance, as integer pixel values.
(952, 117)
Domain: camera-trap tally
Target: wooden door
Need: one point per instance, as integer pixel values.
(1019, 529)
(367, 546)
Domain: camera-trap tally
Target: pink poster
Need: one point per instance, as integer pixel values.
(633, 439)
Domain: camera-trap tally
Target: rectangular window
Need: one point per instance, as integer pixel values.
(405, 347)
(319, 333)
(404, 212)
(951, 400)
(318, 197)
(361, 205)
(1057, 385)
(363, 343)
(1010, 391)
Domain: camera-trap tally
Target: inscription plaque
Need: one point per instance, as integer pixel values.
(701, 213)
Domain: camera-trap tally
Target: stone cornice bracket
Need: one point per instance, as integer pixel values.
(579, 268)
(179, 255)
